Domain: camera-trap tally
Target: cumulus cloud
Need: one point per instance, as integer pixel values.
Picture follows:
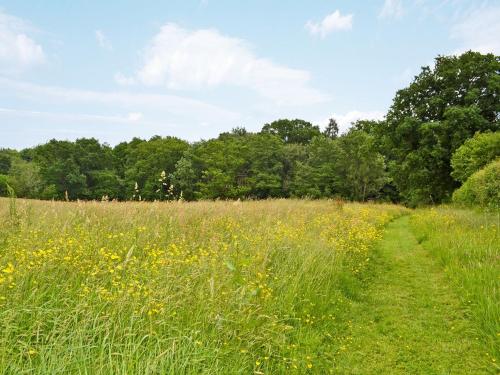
(479, 30)
(103, 41)
(391, 9)
(332, 22)
(17, 49)
(194, 59)
(123, 80)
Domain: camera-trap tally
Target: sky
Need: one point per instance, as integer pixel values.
(114, 70)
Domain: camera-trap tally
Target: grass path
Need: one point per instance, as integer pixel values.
(409, 320)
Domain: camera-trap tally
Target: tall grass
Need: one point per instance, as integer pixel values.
(467, 243)
(13, 216)
(171, 288)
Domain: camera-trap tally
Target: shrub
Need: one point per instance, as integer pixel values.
(3, 185)
(482, 188)
(474, 154)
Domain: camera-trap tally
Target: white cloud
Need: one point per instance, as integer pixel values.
(17, 50)
(166, 105)
(345, 120)
(124, 80)
(103, 41)
(134, 116)
(78, 117)
(391, 9)
(184, 59)
(332, 22)
(479, 30)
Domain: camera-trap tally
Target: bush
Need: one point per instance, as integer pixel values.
(474, 154)
(3, 185)
(50, 192)
(24, 178)
(482, 188)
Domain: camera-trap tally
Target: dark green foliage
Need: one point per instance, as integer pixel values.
(293, 155)
(348, 166)
(468, 80)
(73, 167)
(24, 178)
(4, 180)
(88, 170)
(318, 175)
(146, 160)
(235, 165)
(49, 192)
(103, 183)
(332, 129)
(222, 167)
(432, 117)
(292, 131)
(266, 166)
(422, 173)
(184, 178)
(6, 160)
(58, 167)
(361, 167)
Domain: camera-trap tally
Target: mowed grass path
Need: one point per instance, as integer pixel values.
(409, 320)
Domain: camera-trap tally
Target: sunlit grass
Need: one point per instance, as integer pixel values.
(467, 243)
(211, 287)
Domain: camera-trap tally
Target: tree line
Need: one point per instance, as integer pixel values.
(404, 158)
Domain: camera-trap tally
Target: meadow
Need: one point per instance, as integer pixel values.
(210, 287)
(145, 230)
(230, 287)
(466, 243)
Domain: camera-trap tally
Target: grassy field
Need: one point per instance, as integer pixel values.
(467, 245)
(121, 288)
(269, 287)
(409, 318)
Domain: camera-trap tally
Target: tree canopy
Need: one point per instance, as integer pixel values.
(292, 131)
(432, 117)
(440, 129)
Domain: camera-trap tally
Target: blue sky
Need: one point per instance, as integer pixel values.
(118, 69)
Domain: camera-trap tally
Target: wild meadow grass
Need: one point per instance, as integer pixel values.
(467, 243)
(172, 288)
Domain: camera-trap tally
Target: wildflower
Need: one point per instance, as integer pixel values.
(9, 268)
